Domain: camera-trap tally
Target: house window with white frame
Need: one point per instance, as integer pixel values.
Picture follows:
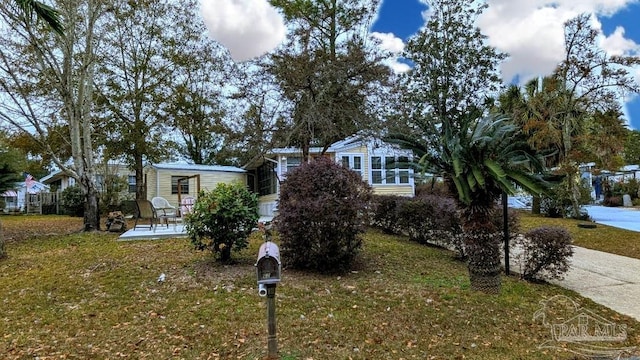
(390, 170)
(132, 183)
(353, 162)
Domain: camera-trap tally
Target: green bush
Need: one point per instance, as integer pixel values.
(72, 201)
(322, 211)
(385, 212)
(557, 202)
(545, 253)
(223, 219)
(111, 197)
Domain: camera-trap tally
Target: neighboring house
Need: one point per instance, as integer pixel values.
(380, 165)
(15, 200)
(59, 181)
(171, 181)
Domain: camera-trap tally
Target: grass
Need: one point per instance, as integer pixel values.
(604, 238)
(80, 296)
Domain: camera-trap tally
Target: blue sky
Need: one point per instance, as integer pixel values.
(531, 32)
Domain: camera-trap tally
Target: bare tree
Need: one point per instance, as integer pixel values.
(47, 81)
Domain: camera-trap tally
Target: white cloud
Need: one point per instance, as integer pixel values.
(389, 42)
(248, 28)
(616, 44)
(394, 45)
(532, 32)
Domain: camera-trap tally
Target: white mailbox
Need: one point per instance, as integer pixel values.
(268, 266)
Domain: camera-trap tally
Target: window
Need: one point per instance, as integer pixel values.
(132, 183)
(293, 162)
(353, 162)
(390, 170)
(184, 184)
(267, 179)
(403, 169)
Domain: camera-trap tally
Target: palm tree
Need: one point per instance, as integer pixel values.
(42, 11)
(479, 161)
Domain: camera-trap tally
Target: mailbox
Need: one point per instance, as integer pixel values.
(268, 266)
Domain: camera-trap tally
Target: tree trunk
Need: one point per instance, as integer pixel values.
(141, 189)
(535, 205)
(483, 262)
(482, 244)
(91, 209)
(574, 188)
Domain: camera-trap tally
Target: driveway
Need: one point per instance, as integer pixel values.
(620, 217)
(608, 279)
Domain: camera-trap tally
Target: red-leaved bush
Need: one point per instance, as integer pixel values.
(321, 214)
(545, 253)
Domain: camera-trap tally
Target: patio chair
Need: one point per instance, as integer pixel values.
(186, 205)
(162, 204)
(146, 211)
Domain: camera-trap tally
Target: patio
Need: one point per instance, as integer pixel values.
(164, 232)
(160, 232)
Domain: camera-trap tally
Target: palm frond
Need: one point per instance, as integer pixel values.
(43, 12)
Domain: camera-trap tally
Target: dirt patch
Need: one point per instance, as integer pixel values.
(209, 272)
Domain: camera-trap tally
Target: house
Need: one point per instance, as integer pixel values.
(16, 199)
(174, 181)
(381, 165)
(171, 181)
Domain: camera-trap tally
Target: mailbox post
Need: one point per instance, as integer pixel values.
(268, 268)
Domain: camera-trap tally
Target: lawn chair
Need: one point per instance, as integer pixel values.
(162, 205)
(186, 205)
(146, 211)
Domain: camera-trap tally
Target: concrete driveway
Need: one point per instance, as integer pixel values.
(608, 279)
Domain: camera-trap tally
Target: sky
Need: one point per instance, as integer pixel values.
(530, 31)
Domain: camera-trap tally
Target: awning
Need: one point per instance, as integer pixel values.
(10, 193)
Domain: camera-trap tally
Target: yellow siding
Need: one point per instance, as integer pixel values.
(358, 150)
(151, 183)
(159, 182)
(403, 190)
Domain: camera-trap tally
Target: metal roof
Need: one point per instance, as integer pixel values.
(196, 167)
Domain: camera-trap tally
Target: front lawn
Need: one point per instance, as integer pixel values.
(604, 238)
(89, 296)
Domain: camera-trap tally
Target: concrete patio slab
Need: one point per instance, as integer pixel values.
(161, 232)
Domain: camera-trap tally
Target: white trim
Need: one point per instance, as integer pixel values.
(351, 157)
(383, 170)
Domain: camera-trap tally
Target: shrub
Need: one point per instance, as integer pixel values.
(223, 219)
(111, 197)
(433, 187)
(431, 219)
(72, 201)
(321, 213)
(612, 201)
(557, 203)
(385, 212)
(545, 253)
